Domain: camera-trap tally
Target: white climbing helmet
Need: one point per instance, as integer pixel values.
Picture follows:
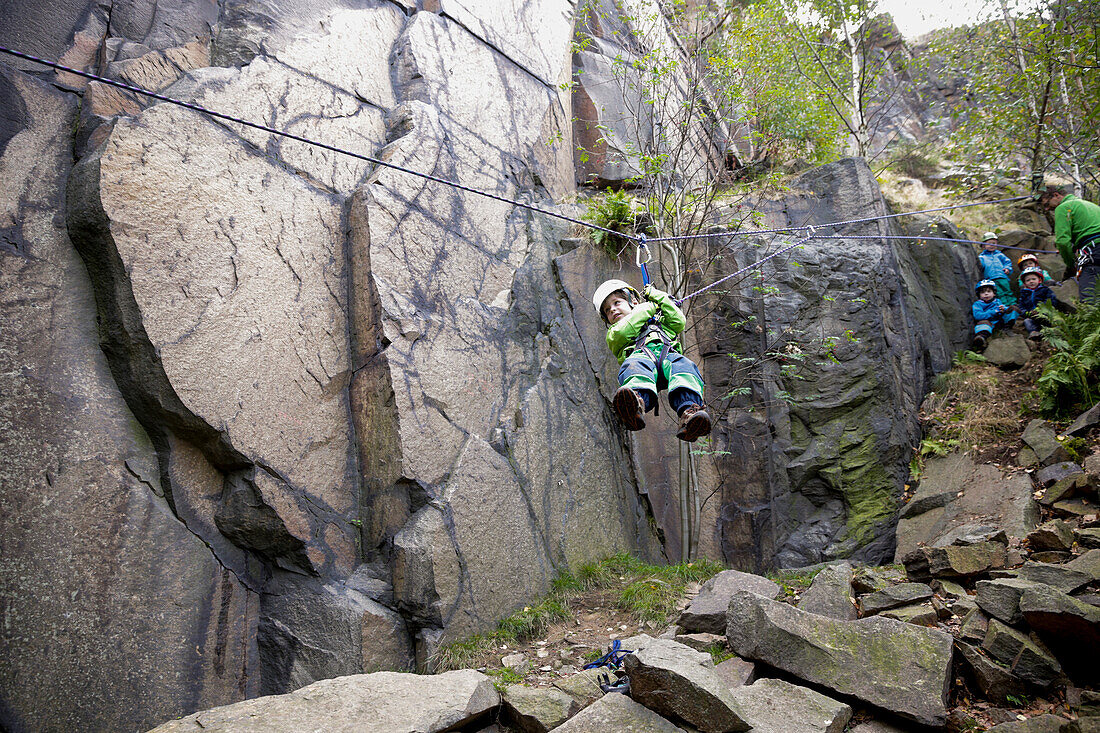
(989, 235)
(606, 289)
(1032, 271)
(985, 284)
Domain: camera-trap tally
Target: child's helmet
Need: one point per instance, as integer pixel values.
(1024, 258)
(988, 236)
(983, 284)
(609, 287)
(1032, 271)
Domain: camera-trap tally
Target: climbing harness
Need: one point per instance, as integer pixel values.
(613, 658)
(620, 685)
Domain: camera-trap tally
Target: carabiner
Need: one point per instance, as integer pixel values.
(639, 261)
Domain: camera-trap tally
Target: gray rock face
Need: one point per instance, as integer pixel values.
(830, 593)
(707, 611)
(956, 492)
(617, 712)
(681, 684)
(896, 666)
(791, 495)
(780, 707)
(1061, 577)
(1039, 724)
(736, 672)
(382, 702)
(92, 551)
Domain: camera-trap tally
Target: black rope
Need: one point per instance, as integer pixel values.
(306, 140)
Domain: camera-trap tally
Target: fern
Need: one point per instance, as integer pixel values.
(1070, 380)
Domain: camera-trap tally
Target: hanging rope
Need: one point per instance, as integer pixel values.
(749, 268)
(782, 230)
(306, 140)
(640, 240)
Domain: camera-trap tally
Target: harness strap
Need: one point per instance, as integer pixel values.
(652, 326)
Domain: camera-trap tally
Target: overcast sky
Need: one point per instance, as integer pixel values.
(917, 17)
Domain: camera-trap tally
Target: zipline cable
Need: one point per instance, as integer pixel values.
(930, 239)
(640, 240)
(748, 268)
(307, 141)
(746, 232)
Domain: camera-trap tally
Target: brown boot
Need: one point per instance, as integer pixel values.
(694, 423)
(630, 408)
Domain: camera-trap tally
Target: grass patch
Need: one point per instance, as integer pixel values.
(966, 409)
(720, 653)
(648, 592)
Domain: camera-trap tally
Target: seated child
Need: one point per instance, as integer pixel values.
(989, 313)
(996, 267)
(642, 335)
(1031, 295)
(1029, 260)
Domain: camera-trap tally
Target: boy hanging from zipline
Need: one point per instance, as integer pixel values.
(641, 332)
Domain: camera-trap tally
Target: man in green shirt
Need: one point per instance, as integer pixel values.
(1077, 234)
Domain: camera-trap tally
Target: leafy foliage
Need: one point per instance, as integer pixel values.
(615, 210)
(1070, 381)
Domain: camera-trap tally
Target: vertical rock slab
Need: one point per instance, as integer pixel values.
(197, 278)
(99, 582)
(899, 667)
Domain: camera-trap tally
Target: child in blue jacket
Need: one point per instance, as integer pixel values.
(989, 313)
(1031, 295)
(641, 332)
(997, 267)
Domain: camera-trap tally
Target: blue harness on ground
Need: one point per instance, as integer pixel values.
(613, 659)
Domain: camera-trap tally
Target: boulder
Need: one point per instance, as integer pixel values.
(926, 563)
(921, 614)
(381, 702)
(993, 678)
(1052, 535)
(1045, 723)
(1088, 538)
(974, 626)
(537, 710)
(1088, 563)
(971, 534)
(1046, 557)
(1041, 438)
(1064, 488)
(899, 667)
(1085, 422)
(1026, 659)
(707, 612)
(736, 672)
(680, 683)
(1049, 475)
(830, 593)
(1027, 458)
(1001, 598)
(1061, 577)
(1076, 508)
(700, 642)
(870, 580)
(584, 686)
(894, 596)
(1069, 627)
(780, 707)
(1008, 351)
(617, 712)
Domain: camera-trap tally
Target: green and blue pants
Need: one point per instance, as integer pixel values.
(639, 372)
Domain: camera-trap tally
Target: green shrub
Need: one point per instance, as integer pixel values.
(1070, 381)
(615, 210)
